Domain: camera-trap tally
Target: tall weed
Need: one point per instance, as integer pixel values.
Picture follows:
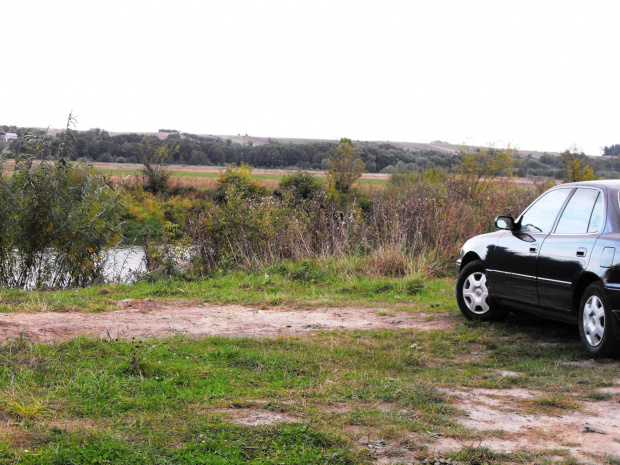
(414, 226)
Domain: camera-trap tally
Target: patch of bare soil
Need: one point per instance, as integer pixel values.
(386, 451)
(11, 433)
(589, 434)
(256, 417)
(143, 319)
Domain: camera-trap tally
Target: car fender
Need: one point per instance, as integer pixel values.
(479, 248)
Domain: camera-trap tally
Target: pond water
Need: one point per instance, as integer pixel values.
(122, 264)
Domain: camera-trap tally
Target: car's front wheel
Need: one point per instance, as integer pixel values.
(473, 296)
(595, 323)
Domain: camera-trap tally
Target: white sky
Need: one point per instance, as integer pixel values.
(541, 74)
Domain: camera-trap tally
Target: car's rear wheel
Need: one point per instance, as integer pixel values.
(473, 295)
(595, 323)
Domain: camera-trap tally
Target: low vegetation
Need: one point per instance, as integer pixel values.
(417, 223)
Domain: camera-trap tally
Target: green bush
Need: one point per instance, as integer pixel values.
(302, 185)
(238, 182)
(56, 221)
(153, 156)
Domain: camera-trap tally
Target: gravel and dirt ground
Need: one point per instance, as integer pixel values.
(508, 422)
(505, 419)
(144, 319)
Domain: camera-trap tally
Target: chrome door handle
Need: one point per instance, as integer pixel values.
(581, 251)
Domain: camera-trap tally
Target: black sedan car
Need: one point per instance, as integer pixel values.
(560, 259)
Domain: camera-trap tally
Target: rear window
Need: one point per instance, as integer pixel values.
(576, 216)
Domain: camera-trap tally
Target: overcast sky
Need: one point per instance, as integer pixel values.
(538, 74)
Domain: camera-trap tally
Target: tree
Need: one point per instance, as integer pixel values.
(346, 167)
(612, 150)
(575, 166)
(487, 162)
(56, 219)
(153, 157)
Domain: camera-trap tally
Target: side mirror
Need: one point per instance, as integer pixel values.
(505, 222)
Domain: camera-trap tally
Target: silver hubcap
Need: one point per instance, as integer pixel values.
(594, 321)
(475, 293)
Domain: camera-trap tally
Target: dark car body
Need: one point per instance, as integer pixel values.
(546, 269)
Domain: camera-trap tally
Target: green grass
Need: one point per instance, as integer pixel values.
(270, 289)
(174, 400)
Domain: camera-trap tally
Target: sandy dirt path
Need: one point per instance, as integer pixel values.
(591, 434)
(143, 319)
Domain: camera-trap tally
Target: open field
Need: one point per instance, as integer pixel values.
(338, 372)
(206, 176)
(202, 177)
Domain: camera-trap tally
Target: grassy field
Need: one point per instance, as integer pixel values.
(202, 175)
(331, 397)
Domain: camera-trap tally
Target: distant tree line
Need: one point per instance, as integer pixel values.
(100, 146)
(613, 150)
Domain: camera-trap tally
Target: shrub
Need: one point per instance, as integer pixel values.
(346, 167)
(411, 228)
(155, 176)
(354, 199)
(237, 182)
(105, 158)
(302, 185)
(56, 220)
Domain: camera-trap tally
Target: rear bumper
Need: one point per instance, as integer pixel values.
(457, 268)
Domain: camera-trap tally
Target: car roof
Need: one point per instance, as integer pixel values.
(613, 184)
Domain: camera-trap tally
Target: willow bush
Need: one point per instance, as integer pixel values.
(56, 219)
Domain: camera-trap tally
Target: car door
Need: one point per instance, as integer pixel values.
(515, 257)
(566, 251)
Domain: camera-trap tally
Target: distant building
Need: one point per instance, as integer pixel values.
(9, 136)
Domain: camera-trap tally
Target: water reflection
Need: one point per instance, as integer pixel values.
(123, 264)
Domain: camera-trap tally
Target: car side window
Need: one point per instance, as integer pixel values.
(596, 220)
(576, 216)
(539, 218)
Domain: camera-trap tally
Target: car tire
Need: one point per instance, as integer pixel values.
(473, 295)
(596, 326)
